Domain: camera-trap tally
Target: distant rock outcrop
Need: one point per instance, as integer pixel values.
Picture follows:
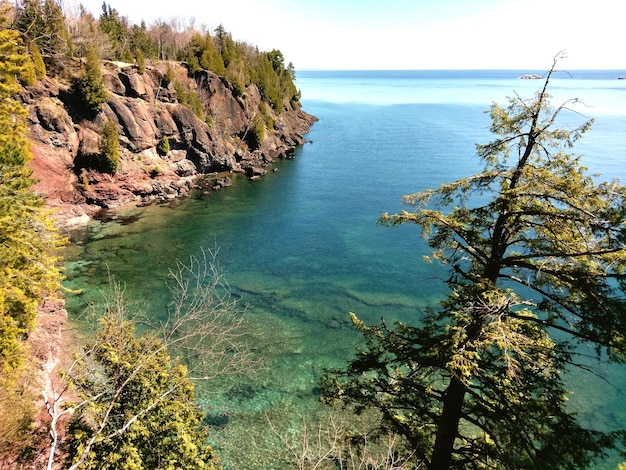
(530, 76)
(145, 111)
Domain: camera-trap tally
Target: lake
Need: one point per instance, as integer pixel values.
(303, 249)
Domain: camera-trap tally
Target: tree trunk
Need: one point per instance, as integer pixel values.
(448, 426)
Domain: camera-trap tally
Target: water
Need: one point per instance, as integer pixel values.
(303, 248)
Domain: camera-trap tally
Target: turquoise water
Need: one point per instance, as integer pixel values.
(302, 248)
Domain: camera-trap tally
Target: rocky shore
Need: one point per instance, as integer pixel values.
(146, 110)
(201, 152)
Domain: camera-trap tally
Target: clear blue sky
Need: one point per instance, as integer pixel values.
(408, 34)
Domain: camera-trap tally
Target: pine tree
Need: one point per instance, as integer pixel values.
(90, 86)
(141, 61)
(27, 238)
(109, 148)
(38, 63)
(27, 244)
(42, 23)
(536, 251)
(139, 410)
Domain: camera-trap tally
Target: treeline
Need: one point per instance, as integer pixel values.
(62, 36)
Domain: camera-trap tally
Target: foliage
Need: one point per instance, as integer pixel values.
(243, 65)
(16, 411)
(139, 411)
(139, 40)
(43, 23)
(90, 85)
(116, 29)
(478, 384)
(169, 75)
(141, 61)
(109, 158)
(38, 63)
(164, 145)
(257, 134)
(202, 54)
(27, 238)
(189, 98)
(27, 248)
(135, 398)
(59, 37)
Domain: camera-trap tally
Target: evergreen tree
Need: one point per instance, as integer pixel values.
(109, 148)
(27, 244)
(43, 23)
(139, 410)
(141, 61)
(202, 54)
(140, 40)
(27, 238)
(537, 259)
(90, 85)
(38, 63)
(116, 29)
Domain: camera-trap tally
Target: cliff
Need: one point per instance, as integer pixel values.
(145, 110)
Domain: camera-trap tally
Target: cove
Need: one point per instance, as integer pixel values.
(302, 249)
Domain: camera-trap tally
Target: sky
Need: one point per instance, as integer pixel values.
(407, 34)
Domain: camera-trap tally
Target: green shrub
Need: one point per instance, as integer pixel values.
(169, 75)
(143, 400)
(189, 98)
(141, 61)
(109, 157)
(164, 146)
(256, 135)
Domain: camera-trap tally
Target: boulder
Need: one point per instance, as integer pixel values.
(113, 83)
(136, 84)
(52, 124)
(136, 121)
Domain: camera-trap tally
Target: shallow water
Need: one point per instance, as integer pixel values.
(302, 248)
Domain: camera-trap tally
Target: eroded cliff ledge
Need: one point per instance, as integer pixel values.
(145, 110)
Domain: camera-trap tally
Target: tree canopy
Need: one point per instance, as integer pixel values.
(27, 237)
(27, 243)
(139, 410)
(536, 252)
(90, 84)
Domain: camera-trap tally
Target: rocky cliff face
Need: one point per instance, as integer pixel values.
(146, 110)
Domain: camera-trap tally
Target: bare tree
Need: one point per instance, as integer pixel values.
(206, 323)
(334, 446)
(204, 329)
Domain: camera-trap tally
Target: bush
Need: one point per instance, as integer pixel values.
(164, 146)
(189, 98)
(37, 59)
(141, 61)
(109, 148)
(169, 76)
(141, 411)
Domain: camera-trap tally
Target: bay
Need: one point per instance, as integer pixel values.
(302, 247)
